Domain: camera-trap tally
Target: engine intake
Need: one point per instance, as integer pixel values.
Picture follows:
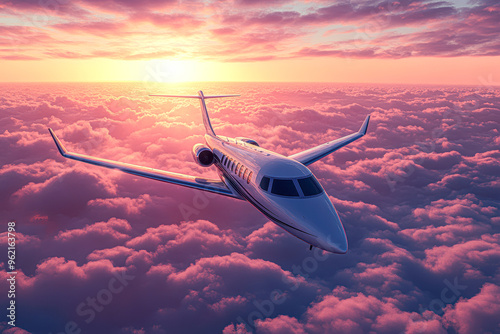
(203, 155)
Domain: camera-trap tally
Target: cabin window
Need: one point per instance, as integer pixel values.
(231, 164)
(284, 188)
(241, 170)
(249, 176)
(237, 167)
(264, 183)
(310, 186)
(245, 173)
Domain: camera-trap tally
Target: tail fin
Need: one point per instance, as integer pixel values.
(204, 111)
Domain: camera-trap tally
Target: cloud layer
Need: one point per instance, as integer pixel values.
(113, 253)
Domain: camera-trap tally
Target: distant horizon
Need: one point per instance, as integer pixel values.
(479, 85)
(470, 70)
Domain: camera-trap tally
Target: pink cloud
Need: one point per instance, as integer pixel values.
(374, 278)
(474, 253)
(280, 325)
(447, 234)
(479, 313)
(185, 241)
(110, 253)
(60, 267)
(228, 302)
(267, 234)
(360, 313)
(181, 22)
(446, 210)
(162, 270)
(236, 264)
(113, 230)
(100, 28)
(27, 241)
(236, 329)
(129, 205)
(13, 330)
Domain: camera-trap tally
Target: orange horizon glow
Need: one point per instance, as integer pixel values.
(433, 71)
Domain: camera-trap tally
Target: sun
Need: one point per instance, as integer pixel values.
(165, 71)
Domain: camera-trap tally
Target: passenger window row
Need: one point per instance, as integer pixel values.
(238, 169)
(308, 186)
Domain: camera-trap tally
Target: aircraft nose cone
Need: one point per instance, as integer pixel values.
(325, 224)
(331, 235)
(337, 244)
(319, 221)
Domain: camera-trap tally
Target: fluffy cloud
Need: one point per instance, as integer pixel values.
(417, 196)
(478, 313)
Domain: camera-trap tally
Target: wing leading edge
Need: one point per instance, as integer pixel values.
(200, 183)
(311, 155)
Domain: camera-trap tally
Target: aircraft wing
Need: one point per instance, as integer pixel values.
(196, 182)
(311, 155)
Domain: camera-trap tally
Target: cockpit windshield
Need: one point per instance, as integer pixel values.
(284, 188)
(303, 187)
(310, 186)
(264, 183)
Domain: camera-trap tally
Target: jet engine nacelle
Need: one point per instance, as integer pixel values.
(248, 140)
(203, 155)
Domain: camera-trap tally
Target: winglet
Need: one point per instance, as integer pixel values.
(60, 146)
(219, 96)
(364, 127)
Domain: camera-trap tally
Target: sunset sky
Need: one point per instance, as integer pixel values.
(417, 195)
(422, 42)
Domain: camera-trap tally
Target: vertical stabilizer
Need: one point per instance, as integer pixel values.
(204, 112)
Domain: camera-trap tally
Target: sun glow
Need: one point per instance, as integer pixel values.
(160, 70)
(474, 71)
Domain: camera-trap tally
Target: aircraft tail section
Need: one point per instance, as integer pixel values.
(204, 111)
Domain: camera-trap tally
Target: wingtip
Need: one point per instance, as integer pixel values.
(59, 145)
(364, 127)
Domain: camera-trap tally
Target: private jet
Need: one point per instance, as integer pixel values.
(282, 188)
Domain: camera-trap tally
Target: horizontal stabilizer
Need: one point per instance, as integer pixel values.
(196, 96)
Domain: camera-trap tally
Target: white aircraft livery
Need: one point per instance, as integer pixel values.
(280, 187)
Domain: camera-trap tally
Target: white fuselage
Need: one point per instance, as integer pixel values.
(290, 195)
